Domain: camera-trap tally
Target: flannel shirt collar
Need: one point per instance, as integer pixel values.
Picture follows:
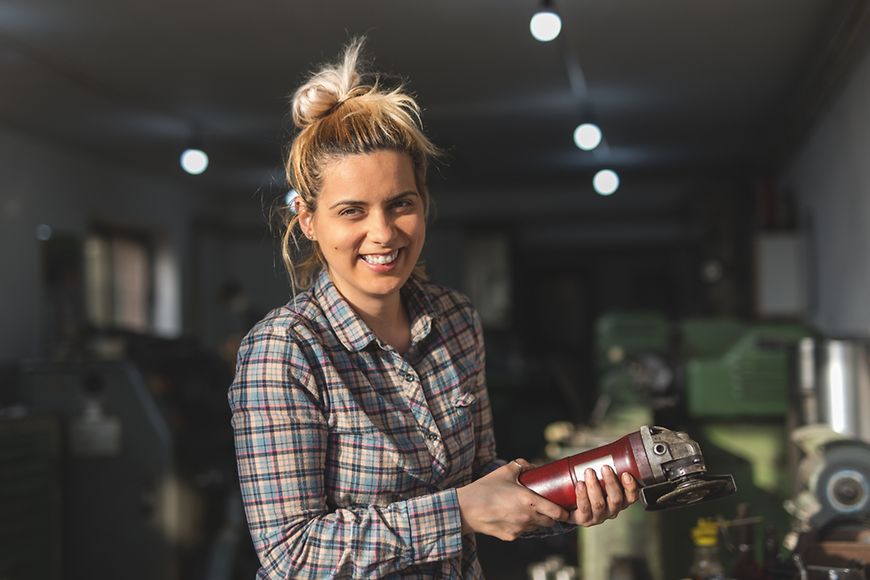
(352, 331)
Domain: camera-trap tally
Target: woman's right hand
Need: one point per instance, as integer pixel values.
(498, 505)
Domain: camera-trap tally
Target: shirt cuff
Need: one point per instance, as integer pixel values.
(435, 525)
(559, 528)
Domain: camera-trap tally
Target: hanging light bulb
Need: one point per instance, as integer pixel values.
(194, 160)
(587, 136)
(545, 25)
(605, 182)
(43, 232)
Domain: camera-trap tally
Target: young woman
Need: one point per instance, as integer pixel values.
(363, 428)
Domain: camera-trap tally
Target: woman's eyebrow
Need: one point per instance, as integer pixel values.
(360, 202)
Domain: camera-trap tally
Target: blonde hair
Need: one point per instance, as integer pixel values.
(339, 112)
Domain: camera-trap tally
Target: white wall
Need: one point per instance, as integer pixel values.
(831, 176)
(42, 184)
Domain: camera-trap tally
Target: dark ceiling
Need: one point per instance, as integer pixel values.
(676, 85)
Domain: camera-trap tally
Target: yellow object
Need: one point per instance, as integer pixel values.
(706, 533)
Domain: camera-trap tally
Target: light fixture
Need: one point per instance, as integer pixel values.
(43, 232)
(194, 160)
(587, 136)
(545, 25)
(605, 182)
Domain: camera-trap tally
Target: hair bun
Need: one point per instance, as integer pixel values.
(328, 87)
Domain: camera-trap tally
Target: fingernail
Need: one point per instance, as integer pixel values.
(626, 478)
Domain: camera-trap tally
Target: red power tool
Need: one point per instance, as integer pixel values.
(667, 465)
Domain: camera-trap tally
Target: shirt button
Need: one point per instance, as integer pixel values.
(432, 437)
(409, 377)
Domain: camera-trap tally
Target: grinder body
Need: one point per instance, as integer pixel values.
(667, 465)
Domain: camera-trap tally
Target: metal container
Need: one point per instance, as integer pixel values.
(834, 385)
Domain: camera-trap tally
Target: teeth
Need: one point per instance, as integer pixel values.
(380, 259)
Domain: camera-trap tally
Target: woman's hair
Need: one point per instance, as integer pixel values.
(339, 111)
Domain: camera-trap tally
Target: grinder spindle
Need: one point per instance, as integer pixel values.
(668, 466)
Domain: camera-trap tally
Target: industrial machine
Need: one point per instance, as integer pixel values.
(667, 464)
(749, 378)
(144, 461)
(727, 382)
(830, 505)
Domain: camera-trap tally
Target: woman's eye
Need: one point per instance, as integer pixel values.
(403, 203)
(349, 212)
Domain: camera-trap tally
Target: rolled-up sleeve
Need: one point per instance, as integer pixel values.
(281, 437)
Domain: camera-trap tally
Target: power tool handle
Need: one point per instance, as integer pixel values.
(556, 481)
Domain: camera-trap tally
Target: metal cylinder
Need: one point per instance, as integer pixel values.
(844, 387)
(807, 382)
(833, 385)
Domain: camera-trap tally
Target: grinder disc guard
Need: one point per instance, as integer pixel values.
(698, 487)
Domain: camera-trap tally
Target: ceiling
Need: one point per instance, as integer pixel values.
(678, 86)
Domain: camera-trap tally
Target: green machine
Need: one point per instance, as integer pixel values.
(625, 332)
(748, 377)
(737, 380)
(633, 350)
(731, 379)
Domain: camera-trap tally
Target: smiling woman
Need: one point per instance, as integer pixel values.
(362, 423)
(338, 115)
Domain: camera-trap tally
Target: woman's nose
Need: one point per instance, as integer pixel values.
(381, 228)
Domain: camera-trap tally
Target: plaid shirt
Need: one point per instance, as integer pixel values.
(349, 453)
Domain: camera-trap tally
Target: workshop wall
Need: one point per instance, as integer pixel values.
(831, 178)
(68, 191)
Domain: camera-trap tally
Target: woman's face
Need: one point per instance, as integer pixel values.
(369, 224)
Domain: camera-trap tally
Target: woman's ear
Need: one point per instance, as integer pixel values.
(305, 219)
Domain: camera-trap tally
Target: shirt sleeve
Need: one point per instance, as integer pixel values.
(281, 440)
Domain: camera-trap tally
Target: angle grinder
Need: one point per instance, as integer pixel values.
(667, 465)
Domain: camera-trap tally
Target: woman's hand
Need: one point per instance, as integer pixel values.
(498, 505)
(596, 504)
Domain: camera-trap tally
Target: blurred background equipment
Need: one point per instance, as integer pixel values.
(31, 504)
(728, 382)
(132, 453)
(830, 505)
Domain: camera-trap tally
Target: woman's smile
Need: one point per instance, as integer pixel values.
(381, 259)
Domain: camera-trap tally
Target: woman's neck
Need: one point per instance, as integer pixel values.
(388, 320)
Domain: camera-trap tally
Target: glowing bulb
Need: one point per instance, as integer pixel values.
(605, 182)
(587, 136)
(545, 26)
(43, 232)
(194, 161)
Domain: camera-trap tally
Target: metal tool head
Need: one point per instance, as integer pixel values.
(688, 490)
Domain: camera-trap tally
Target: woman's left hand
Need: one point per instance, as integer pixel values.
(597, 502)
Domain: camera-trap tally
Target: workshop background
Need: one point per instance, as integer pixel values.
(717, 284)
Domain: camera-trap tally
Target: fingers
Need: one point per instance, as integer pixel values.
(602, 499)
(583, 513)
(522, 464)
(613, 491)
(631, 488)
(596, 496)
(548, 511)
